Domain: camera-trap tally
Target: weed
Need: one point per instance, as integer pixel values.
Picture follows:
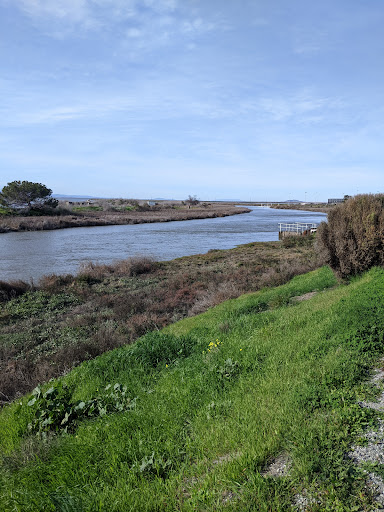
(151, 465)
(229, 370)
(54, 410)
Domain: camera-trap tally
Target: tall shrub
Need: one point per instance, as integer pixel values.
(353, 238)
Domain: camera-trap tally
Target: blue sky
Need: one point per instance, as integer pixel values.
(243, 99)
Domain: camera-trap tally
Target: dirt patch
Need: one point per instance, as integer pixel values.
(278, 466)
(306, 296)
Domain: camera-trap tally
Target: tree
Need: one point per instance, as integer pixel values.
(27, 195)
(192, 200)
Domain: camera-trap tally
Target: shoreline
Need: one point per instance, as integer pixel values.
(304, 208)
(51, 222)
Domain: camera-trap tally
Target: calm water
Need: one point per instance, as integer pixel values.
(32, 254)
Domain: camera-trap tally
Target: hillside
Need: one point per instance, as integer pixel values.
(252, 405)
(44, 332)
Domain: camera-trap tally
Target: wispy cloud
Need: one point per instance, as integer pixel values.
(197, 26)
(160, 98)
(89, 14)
(302, 107)
(70, 11)
(134, 27)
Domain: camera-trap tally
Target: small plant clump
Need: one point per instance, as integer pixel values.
(212, 346)
(55, 412)
(229, 370)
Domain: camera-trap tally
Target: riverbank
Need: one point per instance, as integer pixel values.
(323, 208)
(47, 329)
(97, 216)
(253, 405)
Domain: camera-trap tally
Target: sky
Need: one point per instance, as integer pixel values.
(222, 99)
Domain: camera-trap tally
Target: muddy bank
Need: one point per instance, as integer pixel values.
(307, 207)
(109, 218)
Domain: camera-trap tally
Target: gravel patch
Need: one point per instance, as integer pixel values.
(373, 451)
(305, 500)
(277, 467)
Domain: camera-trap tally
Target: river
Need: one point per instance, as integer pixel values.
(30, 255)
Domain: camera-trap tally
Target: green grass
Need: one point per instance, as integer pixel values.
(87, 208)
(217, 397)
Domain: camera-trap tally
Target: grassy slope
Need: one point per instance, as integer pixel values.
(284, 378)
(70, 319)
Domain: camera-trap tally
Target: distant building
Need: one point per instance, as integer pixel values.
(335, 201)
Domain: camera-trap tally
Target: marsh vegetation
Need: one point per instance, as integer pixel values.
(113, 212)
(47, 329)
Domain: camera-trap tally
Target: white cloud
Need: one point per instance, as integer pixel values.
(73, 11)
(196, 26)
(302, 107)
(142, 25)
(89, 14)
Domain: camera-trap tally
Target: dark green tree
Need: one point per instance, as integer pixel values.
(27, 195)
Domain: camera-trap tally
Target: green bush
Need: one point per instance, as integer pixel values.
(353, 238)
